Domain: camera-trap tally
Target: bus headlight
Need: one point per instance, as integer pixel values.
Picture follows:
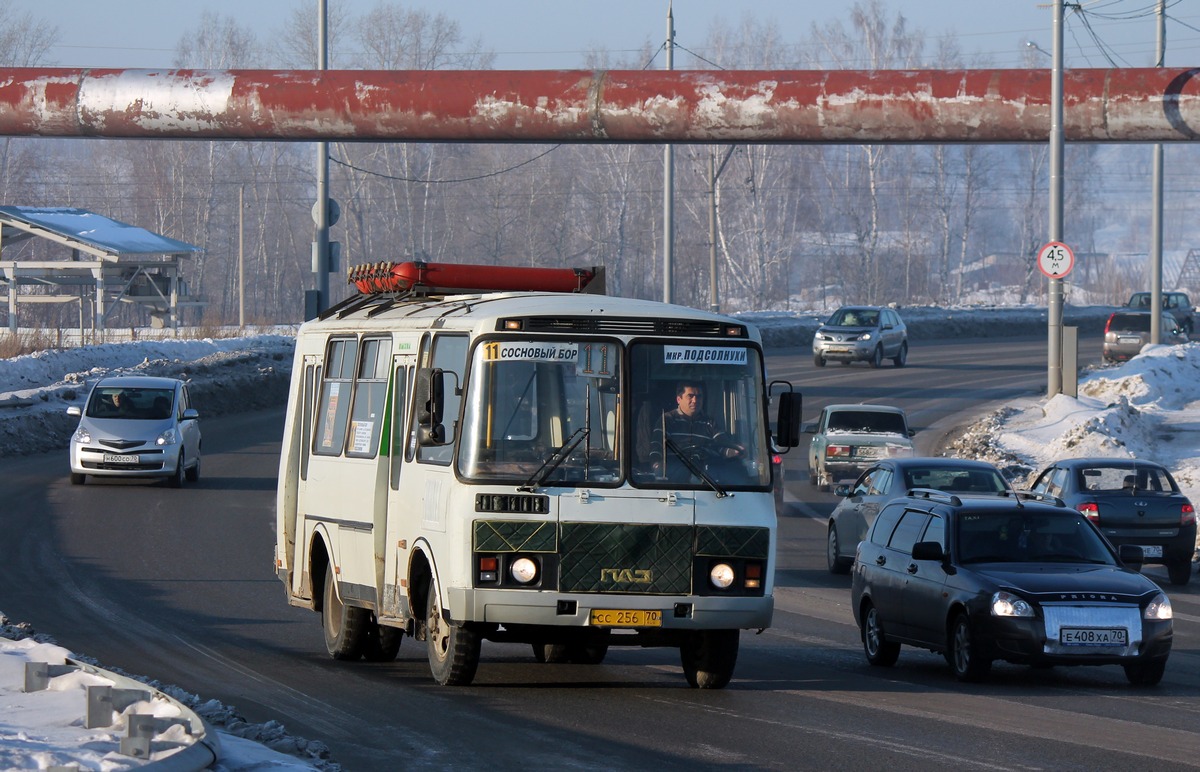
(524, 570)
(721, 575)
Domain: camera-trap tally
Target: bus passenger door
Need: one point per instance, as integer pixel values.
(402, 517)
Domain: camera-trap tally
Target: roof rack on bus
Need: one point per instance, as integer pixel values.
(418, 278)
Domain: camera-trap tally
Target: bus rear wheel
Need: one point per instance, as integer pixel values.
(345, 626)
(453, 650)
(709, 657)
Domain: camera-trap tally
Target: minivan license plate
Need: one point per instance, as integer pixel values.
(120, 458)
(1093, 636)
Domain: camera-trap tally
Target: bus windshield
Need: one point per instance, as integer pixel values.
(698, 416)
(544, 412)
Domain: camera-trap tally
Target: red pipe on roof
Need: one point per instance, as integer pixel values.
(551, 106)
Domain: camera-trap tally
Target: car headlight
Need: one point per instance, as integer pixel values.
(523, 570)
(721, 575)
(169, 437)
(82, 436)
(822, 336)
(1005, 604)
(1159, 608)
(865, 336)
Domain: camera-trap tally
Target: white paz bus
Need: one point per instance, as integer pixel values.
(477, 453)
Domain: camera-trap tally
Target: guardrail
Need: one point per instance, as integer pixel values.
(107, 704)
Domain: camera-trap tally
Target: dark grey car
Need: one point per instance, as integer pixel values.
(891, 479)
(1132, 502)
(1177, 304)
(862, 334)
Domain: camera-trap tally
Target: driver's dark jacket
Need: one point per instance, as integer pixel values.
(697, 438)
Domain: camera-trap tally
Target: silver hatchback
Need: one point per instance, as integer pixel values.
(862, 334)
(137, 426)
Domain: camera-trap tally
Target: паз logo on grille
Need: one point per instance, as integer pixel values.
(627, 575)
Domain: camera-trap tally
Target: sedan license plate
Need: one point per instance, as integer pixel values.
(1152, 550)
(608, 617)
(1093, 636)
(121, 458)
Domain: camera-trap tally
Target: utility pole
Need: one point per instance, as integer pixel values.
(1055, 311)
(242, 257)
(1156, 227)
(669, 183)
(321, 209)
(713, 174)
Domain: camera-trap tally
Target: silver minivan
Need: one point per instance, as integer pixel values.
(136, 426)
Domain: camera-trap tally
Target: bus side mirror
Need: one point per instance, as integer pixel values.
(787, 423)
(430, 403)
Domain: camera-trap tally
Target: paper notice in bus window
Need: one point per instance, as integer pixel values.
(331, 415)
(361, 439)
(704, 355)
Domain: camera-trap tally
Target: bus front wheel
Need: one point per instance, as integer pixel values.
(709, 657)
(453, 650)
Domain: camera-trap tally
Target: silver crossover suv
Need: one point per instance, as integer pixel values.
(862, 334)
(1127, 332)
(137, 426)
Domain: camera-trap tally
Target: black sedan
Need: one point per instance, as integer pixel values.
(890, 479)
(1133, 502)
(980, 579)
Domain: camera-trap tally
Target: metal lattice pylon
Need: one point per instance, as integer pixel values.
(1189, 272)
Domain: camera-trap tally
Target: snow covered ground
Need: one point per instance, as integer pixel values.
(1148, 408)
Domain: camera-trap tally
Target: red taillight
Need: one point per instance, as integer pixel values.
(837, 450)
(776, 459)
(1108, 323)
(1188, 516)
(1090, 510)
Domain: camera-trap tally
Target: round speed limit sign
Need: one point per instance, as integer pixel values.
(1056, 260)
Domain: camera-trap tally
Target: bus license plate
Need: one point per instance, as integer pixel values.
(610, 617)
(1092, 636)
(120, 458)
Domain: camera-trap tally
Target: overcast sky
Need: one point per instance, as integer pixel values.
(556, 34)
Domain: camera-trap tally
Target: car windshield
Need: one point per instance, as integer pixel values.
(870, 421)
(1005, 537)
(955, 480)
(854, 317)
(130, 403)
(1126, 480)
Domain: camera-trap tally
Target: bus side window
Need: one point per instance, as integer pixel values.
(333, 409)
(370, 387)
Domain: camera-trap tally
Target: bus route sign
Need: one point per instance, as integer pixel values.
(1056, 260)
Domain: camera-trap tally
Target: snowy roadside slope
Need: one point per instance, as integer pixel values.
(225, 375)
(1148, 408)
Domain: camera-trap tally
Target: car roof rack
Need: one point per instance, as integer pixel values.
(934, 493)
(1036, 496)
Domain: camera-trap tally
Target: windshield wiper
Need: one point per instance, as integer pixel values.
(695, 468)
(539, 477)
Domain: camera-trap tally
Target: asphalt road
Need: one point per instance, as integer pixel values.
(178, 585)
